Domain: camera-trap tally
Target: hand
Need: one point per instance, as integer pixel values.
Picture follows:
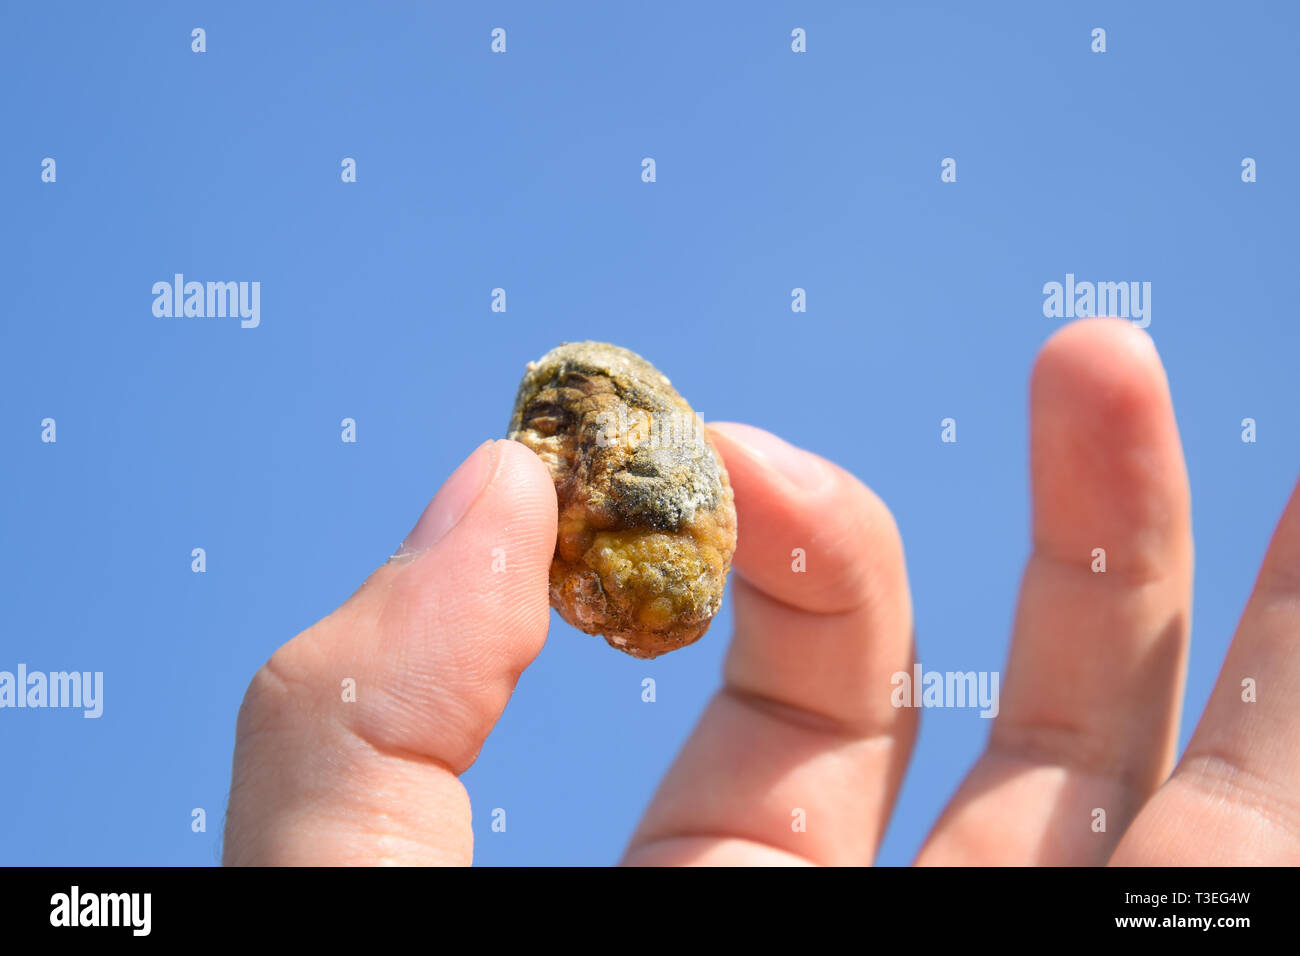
(1089, 705)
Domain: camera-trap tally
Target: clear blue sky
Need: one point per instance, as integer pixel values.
(775, 170)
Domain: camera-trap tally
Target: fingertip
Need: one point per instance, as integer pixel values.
(1106, 364)
(811, 534)
(1106, 457)
(751, 446)
(501, 550)
(500, 483)
(452, 501)
(526, 487)
(524, 465)
(1106, 332)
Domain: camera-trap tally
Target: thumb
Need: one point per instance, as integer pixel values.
(350, 737)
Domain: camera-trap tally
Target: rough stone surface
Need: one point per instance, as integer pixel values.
(647, 522)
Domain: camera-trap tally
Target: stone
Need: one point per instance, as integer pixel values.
(647, 517)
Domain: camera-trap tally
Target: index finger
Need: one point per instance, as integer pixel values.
(800, 754)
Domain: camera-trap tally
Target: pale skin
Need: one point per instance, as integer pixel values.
(1090, 698)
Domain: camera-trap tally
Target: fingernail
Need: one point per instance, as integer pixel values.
(452, 500)
(802, 469)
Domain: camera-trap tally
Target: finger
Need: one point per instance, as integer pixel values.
(799, 757)
(1235, 795)
(351, 737)
(1092, 691)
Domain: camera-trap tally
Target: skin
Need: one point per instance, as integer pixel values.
(1090, 698)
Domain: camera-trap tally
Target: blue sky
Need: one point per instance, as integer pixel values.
(522, 171)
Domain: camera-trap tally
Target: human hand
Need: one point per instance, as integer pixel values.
(1089, 707)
